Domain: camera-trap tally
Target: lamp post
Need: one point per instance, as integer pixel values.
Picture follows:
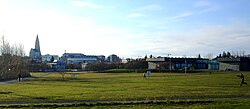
(185, 67)
(170, 66)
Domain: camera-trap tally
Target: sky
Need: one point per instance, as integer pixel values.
(128, 28)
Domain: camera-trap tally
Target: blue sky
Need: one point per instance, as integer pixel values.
(128, 28)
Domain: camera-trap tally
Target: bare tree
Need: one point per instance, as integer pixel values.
(243, 53)
(12, 60)
(62, 73)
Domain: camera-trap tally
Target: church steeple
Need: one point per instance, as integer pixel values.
(37, 45)
(35, 54)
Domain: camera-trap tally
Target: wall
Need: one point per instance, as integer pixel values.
(152, 65)
(229, 66)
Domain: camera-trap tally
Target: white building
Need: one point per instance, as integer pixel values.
(47, 57)
(76, 58)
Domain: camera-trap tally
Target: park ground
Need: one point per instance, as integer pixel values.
(128, 90)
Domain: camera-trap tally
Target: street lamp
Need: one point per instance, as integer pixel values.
(185, 67)
(170, 66)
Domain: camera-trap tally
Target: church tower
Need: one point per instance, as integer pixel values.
(37, 45)
(35, 54)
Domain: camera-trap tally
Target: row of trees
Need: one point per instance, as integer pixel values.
(131, 65)
(232, 54)
(100, 66)
(12, 60)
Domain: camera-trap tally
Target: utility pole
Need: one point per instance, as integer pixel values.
(170, 66)
(185, 67)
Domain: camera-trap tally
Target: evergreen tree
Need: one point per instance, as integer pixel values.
(199, 56)
(228, 54)
(219, 55)
(224, 54)
(145, 57)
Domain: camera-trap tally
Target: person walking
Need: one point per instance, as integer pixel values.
(19, 77)
(242, 77)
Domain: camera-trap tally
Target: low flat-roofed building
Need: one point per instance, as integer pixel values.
(178, 63)
(234, 64)
(76, 58)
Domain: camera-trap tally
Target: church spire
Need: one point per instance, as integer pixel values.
(37, 45)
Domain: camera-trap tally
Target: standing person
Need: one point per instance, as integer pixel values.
(144, 75)
(242, 77)
(19, 77)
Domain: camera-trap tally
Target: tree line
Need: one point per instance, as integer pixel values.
(12, 60)
(233, 54)
(131, 65)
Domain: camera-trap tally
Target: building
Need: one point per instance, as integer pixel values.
(113, 59)
(35, 53)
(213, 64)
(78, 58)
(48, 58)
(153, 63)
(101, 58)
(56, 66)
(233, 63)
(219, 63)
(178, 63)
(80, 61)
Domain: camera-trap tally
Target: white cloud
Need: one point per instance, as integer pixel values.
(207, 6)
(182, 15)
(212, 39)
(86, 4)
(209, 9)
(59, 31)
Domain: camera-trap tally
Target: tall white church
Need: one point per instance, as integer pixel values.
(35, 53)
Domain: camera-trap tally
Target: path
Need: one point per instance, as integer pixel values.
(128, 100)
(23, 79)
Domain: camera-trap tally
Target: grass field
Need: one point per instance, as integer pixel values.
(130, 90)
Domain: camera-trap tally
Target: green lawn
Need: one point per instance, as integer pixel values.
(220, 87)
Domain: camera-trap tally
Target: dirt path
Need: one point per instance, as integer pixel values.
(130, 100)
(22, 79)
(91, 103)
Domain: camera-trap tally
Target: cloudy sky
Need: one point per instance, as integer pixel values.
(128, 28)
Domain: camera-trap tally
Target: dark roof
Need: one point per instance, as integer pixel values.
(238, 59)
(162, 59)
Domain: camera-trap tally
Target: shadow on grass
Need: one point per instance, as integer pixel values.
(45, 79)
(5, 92)
(112, 103)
